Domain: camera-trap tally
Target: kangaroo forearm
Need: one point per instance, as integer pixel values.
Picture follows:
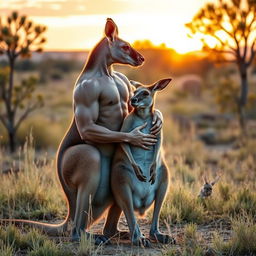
(127, 150)
(157, 149)
(100, 134)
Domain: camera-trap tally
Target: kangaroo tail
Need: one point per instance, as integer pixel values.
(49, 229)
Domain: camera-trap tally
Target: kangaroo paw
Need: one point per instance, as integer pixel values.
(162, 238)
(142, 241)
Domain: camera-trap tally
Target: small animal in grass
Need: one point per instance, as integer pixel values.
(139, 176)
(207, 188)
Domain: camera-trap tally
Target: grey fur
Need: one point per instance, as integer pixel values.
(142, 174)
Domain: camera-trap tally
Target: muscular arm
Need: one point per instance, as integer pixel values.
(86, 104)
(130, 87)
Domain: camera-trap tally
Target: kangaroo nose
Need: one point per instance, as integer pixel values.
(141, 58)
(134, 100)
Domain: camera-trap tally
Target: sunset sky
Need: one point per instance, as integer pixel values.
(79, 24)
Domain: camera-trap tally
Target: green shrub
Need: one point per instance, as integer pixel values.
(243, 240)
(181, 206)
(33, 192)
(243, 201)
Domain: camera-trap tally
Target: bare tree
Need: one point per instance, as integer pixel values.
(232, 24)
(18, 37)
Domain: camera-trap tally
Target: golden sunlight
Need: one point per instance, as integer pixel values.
(78, 25)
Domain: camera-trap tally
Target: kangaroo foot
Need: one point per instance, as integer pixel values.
(98, 239)
(141, 241)
(161, 238)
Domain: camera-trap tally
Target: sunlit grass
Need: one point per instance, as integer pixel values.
(32, 192)
(12, 240)
(243, 240)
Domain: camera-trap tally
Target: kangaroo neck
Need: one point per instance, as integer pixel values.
(99, 61)
(144, 113)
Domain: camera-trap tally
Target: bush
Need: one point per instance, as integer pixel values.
(243, 240)
(181, 206)
(33, 192)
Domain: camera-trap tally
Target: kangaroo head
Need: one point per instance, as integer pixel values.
(144, 95)
(121, 51)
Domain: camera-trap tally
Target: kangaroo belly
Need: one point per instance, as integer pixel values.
(143, 157)
(143, 197)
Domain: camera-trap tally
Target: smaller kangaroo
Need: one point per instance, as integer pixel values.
(207, 188)
(139, 176)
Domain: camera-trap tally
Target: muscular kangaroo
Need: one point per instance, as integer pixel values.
(84, 158)
(148, 165)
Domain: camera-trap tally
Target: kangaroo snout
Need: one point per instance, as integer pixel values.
(134, 101)
(137, 57)
(140, 59)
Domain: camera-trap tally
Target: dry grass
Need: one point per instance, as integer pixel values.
(34, 192)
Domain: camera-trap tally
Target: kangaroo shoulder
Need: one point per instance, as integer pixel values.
(86, 90)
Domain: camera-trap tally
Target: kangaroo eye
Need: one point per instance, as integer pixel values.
(145, 93)
(125, 47)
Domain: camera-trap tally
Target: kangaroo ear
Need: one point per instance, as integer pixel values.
(111, 30)
(135, 83)
(160, 85)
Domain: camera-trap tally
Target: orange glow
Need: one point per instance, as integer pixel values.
(79, 24)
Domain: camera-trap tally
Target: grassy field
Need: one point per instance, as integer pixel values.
(223, 224)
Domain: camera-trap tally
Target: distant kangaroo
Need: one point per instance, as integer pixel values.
(147, 164)
(84, 158)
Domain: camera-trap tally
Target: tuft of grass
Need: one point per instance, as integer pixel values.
(191, 243)
(34, 191)
(224, 191)
(243, 240)
(182, 206)
(34, 242)
(48, 248)
(11, 237)
(6, 249)
(243, 201)
(86, 246)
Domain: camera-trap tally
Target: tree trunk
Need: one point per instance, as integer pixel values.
(10, 88)
(12, 140)
(241, 118)
(243, 98)
(10, 113)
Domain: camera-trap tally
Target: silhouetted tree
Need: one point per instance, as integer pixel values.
(18, 37)
(232, 23)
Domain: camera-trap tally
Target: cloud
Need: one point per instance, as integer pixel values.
(64, 7)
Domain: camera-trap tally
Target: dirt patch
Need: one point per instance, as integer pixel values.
(124, 247)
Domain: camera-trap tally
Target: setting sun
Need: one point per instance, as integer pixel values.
(77, 25)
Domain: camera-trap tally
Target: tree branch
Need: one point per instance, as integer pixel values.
(253, 52)
(3, 121)
(222, 51)
(25, 114)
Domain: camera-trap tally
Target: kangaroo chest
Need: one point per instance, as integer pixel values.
(141, 156)
(113, 103)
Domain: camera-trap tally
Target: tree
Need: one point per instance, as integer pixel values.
(232, 25)
(226, 91)
(18, 37)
